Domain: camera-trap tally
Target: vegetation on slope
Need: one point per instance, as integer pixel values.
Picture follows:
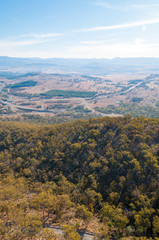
(12, 75)
(29, 83)
(68, 94)
(105, 169)
(133, 108)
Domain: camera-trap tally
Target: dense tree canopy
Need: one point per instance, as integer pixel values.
(105, 169)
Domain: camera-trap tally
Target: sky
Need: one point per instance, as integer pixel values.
(79, 28)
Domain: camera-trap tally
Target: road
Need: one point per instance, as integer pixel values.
(84, 102)
(121, 92)
(84, 235)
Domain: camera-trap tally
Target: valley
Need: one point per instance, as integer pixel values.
(75, 95)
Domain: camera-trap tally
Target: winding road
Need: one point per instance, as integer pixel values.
(84, 102)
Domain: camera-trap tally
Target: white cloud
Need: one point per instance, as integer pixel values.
(111, 7)
(119, 26)
(10, 44)
(144, 28)
(92, 42)
(141, 6)
(28, 39)
(134, 49)
(103, 4)
(138, 41)
(13, 44)
(35, 35)
(125, 7)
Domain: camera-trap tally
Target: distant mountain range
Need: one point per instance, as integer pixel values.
(86, 66)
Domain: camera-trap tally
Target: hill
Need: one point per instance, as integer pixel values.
(85, 66)
(103, 170)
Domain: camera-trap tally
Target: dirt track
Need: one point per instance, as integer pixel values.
(84, 235)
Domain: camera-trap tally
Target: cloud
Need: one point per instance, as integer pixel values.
(35, 35)
(119, 26)
(138, 41)
(29, 39)
(125, 7)
(109, 6)
(103, 4)
(144, 28)
(133, 49)
(10, 44)
(91, 42)
(136, 48)
(141, 6)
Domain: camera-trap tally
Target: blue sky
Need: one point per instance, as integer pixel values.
(79, 28)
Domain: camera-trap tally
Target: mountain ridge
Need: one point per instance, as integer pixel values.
(81, 65)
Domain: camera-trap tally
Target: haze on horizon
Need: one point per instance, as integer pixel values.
(79, 29)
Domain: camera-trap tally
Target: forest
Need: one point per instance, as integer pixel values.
(68, 94)
(132, 108)
(23, 84)
(99, 174)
